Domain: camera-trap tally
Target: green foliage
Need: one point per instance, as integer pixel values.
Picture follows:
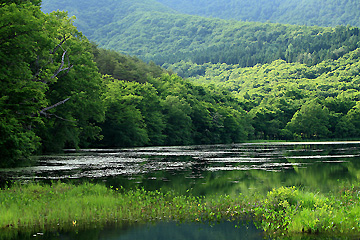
(287, 211)
(124, 124)
(46, 72)
(311, 121)
(263, 80)
(179, 125)
(278, 209)
(124, 67)
(273, 69)
(349, 125)
(277, 96)
(21, 36)
(15, 143)
(34, 207)
(83, 85)
(94, 14)
(170, 111)
(155, 37)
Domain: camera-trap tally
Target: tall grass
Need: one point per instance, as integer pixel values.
(37, 207)
(28, 208)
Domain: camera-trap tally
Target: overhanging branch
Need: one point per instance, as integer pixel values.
(43, 111)
(59, 45)
(61, 69)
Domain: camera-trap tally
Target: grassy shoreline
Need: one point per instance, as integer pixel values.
(285, 211)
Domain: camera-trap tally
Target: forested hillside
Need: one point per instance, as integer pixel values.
(158, 34)
(168, 38)
(287, 100)
(146, 106)
(300, 12)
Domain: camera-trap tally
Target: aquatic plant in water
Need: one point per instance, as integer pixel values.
(285, 211)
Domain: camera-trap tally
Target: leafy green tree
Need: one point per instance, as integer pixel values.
(124, 123)
(46, 72)
(266, 122)
(81, 84)
(202, 119)
(25, 70)
(124, 67)
(349, 125)
(235, 127)
(311, 121)
(178, 129)
(149, 107)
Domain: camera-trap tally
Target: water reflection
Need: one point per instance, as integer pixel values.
(212, 169)
(158, 231)
(165, 231)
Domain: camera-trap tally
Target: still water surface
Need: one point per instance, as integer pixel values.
(203, 170)
(160, 231)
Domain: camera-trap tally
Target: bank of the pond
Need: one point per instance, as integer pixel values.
(283, 211)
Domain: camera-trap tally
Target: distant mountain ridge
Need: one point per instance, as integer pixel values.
(157, 32)
(93, 14)
(299, 12)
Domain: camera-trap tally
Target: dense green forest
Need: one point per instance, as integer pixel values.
(92, 15)
(287, 100)
(154, 108)
(155, 33)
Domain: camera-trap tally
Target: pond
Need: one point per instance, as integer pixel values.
(203, 170)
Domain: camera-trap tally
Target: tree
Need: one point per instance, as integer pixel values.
(311, 121)
(41, 72)
(349, 125)
(80, 83)
(24, 40)
(179, 128)
(124, 122)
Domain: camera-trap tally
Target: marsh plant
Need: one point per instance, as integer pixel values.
(288, 210)
(285, 211)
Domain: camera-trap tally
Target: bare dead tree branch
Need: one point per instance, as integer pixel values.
(43, 111)
(61, 69)
(61, 118)
(59, 45)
